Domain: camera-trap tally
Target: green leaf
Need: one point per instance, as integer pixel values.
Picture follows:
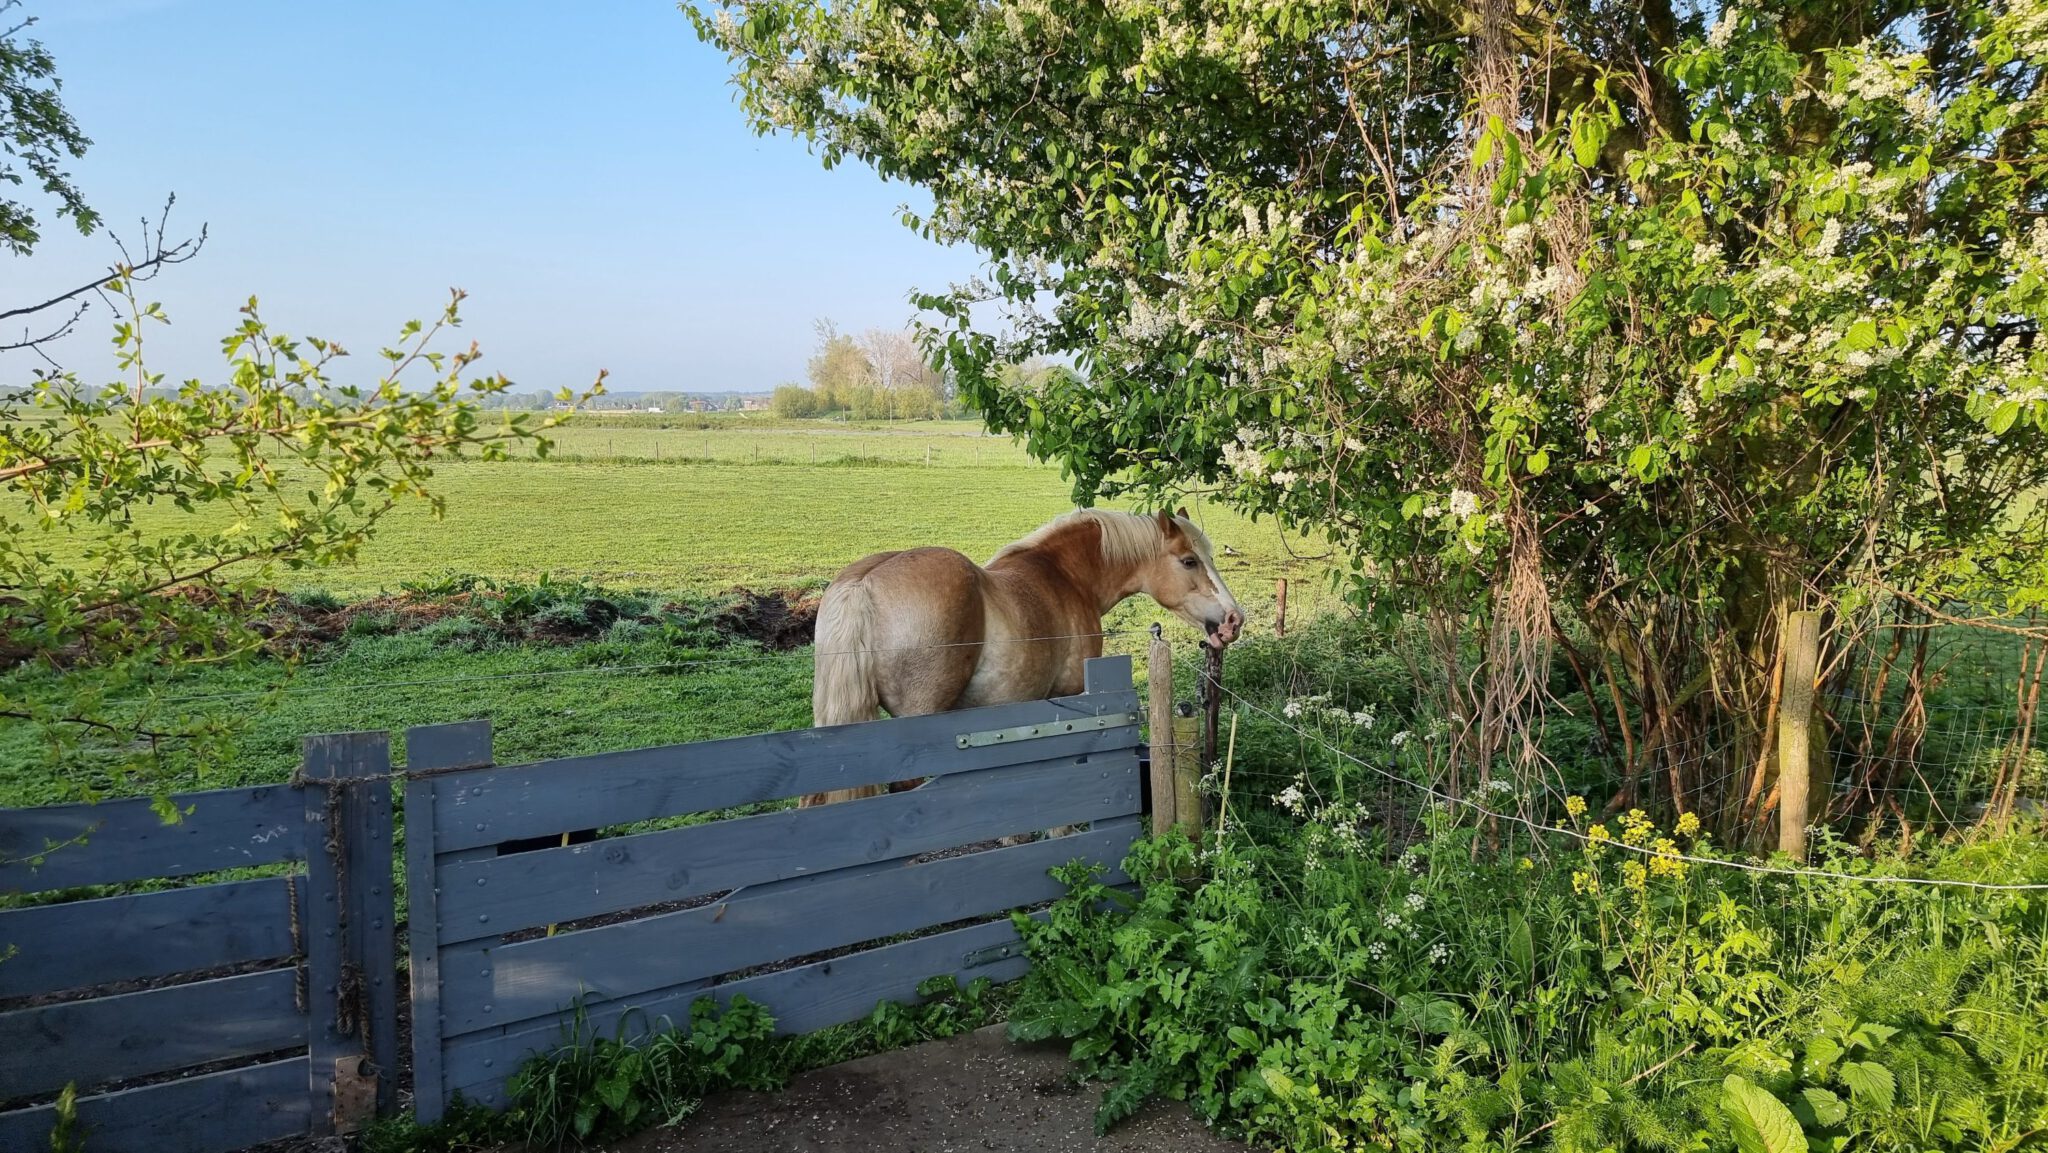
(1538, 462)
(1820, 1108)
(1862, 335)
(1761, 1123)
(1821, 1054)
(2002, 417)
(1280, 1083)
(1869, 1083)
(1244, 1038)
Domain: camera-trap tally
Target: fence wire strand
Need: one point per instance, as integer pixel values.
(1710, 862)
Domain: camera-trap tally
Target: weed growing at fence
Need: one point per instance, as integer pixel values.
(1319, 992)
(595, 1087)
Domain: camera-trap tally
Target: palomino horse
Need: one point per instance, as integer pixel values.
(927, 630)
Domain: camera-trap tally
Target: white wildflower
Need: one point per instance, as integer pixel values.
(1291, 709)
(1439, 953)
(1398, 739)
(1415, 902)
(1463, 503)
(1290, 799)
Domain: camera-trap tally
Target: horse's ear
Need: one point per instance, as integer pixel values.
(1183, 513)
(1166, 524)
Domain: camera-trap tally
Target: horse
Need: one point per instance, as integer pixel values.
(926, 630)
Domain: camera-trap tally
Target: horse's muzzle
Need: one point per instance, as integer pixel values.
(1223, 632)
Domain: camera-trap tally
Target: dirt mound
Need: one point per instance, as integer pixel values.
(780, 620)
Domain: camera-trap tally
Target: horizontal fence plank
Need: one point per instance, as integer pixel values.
(502, 894)
(537, 978)
(214, 1113)
(802, 1000)
(85, 943)
(153, 1031)
(492, 805)
(62, 846)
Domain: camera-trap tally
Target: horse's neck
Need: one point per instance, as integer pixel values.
(1074, 557)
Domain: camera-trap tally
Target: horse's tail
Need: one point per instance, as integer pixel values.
(844, 691)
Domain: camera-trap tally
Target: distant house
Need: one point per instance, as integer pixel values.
(754, 404)
(652, 408)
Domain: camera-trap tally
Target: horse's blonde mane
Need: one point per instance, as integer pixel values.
(1127, 537)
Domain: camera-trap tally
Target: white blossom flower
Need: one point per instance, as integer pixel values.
(1290, 799)
(1398, 739)
(1415, 902)
(1463, 503)
(1391, 920)
(1377, 950)
(1291, 709)
(1439, 953)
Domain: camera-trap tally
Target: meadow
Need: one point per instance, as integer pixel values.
(602, 515)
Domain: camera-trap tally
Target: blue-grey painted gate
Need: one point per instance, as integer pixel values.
(736, 906)
(211, 1016)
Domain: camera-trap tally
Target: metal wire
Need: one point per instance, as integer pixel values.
(1744, 866)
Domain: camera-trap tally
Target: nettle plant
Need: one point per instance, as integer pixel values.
(1669, 319)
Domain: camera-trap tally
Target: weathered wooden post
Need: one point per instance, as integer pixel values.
(1212, 703)
(1159, 690)
(1280, 607)
(1795, 731)
(351, 952)
(1187, 770)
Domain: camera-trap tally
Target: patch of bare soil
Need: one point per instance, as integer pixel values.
(974, 1092)
(780, 620)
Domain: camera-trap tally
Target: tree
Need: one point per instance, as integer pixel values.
(837, 368)
(793, 402)
(1671, 320)
(144, 521)
(36, 133)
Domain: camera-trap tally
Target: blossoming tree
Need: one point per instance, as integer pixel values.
(1667, 320)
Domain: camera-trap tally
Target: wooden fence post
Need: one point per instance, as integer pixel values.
(1280, 607)
(1795, 728)
(463, 745)
(1212, 703)
(348, 923)
(1159, 690)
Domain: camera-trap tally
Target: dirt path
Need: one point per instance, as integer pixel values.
(969, 1094)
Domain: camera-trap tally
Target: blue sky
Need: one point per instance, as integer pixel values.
(581, 169)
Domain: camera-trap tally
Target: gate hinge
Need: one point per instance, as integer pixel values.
(1046, 729)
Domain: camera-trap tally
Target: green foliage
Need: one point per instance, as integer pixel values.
(285, 470)
(1310, 989)
(1750, 330)
(36, 134)
(595, 1088)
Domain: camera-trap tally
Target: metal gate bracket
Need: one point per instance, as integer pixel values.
(991, 955)
(355, 1092)
(1047, 729)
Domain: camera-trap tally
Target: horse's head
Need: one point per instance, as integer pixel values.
(1184, 580)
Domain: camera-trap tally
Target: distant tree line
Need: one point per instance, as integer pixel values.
(878, 375)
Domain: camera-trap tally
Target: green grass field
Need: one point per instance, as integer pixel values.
(678, 526)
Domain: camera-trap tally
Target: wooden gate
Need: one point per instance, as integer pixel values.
(817, 913)
(211, 1016)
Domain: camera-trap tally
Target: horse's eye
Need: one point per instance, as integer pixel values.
(1189, 562)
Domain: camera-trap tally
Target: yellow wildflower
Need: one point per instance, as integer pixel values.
(1575, 806)
(1666, 863)
(1599, 833)
(1634, 875)
(1636, 827)
(1527, 863)
(1584, 882)
(1688, 824)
